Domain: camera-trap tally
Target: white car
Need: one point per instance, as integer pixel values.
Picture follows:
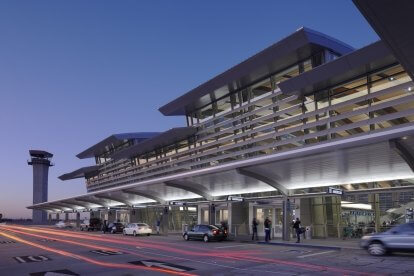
(137, 229)
(62, 224)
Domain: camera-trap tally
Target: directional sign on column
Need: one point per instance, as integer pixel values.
(165, 265)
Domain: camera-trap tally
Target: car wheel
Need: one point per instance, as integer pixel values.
(186, 237)
(134, 233)
(205, 238)
(148, 234)
(377, 249)
(112, 232)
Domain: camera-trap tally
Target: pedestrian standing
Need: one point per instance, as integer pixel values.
(158, 226)
(254, 228)
(267, 225)
(296, 226)
(104, 227)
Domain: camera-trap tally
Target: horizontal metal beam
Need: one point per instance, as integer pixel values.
(96, 202)
(195, 188)
(114, 198)
(56, 206)
(75, 203)
(265, 179)
(404, 151)
(147, 194)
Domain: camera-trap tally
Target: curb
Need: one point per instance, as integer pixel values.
(307, 245)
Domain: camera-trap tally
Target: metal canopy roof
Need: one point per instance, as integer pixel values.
(392, 21)
(114, 139)
(347, 67)
(296, 47)
(365, 158)
(166, 138)
(82, 172)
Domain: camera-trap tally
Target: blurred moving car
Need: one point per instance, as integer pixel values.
(137, 229)
(205, 233)
(399, 238)
(115, 227)
(62, 224)
(91, 224)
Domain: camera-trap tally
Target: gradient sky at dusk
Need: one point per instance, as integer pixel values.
(74, 72)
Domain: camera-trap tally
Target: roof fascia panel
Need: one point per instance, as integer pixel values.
(297, 46)
(364, 60)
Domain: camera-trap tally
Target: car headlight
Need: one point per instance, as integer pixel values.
(365, 237)
(114, 228)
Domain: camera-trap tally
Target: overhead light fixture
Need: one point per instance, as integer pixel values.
(391, 78)
(410, 89)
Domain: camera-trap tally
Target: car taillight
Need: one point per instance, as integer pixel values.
(216, 232)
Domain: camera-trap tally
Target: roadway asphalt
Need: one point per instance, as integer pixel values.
(48, 251)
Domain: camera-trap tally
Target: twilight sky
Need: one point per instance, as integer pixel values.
(74, 72)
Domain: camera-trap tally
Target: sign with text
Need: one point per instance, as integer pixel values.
(235, 198)
(178, 203)
(335, 191)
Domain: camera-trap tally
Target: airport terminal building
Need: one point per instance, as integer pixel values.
(309, 127)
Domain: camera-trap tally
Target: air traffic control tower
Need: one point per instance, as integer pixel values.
(40, 160)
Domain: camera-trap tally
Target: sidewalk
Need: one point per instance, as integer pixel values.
(330, 243)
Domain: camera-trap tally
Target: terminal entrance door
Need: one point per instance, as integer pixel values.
(205, 218)
(123, 216)
(274, 214)
(222, 215)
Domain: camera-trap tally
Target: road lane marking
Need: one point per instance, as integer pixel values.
(93, 261)
(315, 254)
(20, 260)
(242, 258)
(229, 246)
(166, 265)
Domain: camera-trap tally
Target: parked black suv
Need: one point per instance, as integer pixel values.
(205, 233)
(116, 227)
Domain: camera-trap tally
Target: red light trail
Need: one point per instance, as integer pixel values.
(90, 260)
(248, 256)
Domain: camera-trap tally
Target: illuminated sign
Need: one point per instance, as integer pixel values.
(178, 203)
(335, 191)
(234, 198)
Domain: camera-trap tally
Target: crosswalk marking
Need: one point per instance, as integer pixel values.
(107, 252)
(6, 242)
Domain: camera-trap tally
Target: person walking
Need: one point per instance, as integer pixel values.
(296, 226)
(267, 225)
(254, 228)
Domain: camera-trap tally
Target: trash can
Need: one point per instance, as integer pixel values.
(308, 233)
